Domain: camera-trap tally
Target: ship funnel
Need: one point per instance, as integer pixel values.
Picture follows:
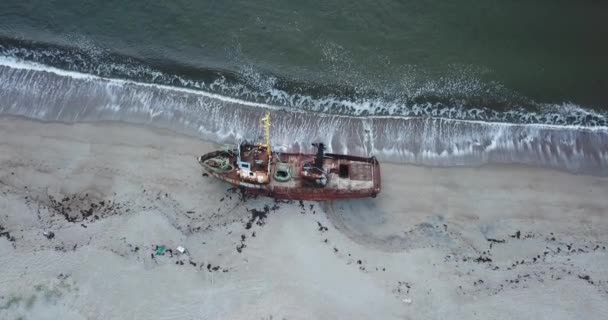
(320, 153)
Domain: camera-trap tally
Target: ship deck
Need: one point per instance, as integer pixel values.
(361, 178)
(360, 173)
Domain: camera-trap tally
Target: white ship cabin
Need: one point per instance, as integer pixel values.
(253, 163)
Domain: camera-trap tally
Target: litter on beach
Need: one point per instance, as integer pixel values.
(160, 250)
(181, 249)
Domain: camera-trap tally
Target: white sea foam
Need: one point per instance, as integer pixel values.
(376, 108)
(35, 90)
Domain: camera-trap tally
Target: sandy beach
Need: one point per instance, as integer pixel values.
(83, 208)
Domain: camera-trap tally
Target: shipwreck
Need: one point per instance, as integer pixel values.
(258, 170)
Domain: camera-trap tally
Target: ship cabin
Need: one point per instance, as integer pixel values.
(253, 163)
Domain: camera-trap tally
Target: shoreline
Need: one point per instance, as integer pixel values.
(494, 242)
(170, 131)
(418, 140)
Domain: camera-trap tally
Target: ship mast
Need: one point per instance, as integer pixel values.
(266, 121)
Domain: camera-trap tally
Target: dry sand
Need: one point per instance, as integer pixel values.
(489, 243)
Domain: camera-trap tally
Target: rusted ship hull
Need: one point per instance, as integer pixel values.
(348, 177)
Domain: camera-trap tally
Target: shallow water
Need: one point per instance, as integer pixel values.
(430, 82)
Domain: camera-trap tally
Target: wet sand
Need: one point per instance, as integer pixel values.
(497, 242)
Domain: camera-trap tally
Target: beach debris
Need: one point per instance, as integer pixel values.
(240, 247)
(181, 249)
(216, 268)
(62, 276)
(49, 234)
(482, 259)
(403, 288)
(322, 228)
(586, 278)
(78, 208)
(407, 300)
(6, 234)
(257, 216)
(494, 241)
(160, 250)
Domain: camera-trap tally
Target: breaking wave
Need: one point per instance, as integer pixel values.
(460, 95)
(47, 93)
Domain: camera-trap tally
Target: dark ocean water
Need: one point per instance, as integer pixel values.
(429, 82)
